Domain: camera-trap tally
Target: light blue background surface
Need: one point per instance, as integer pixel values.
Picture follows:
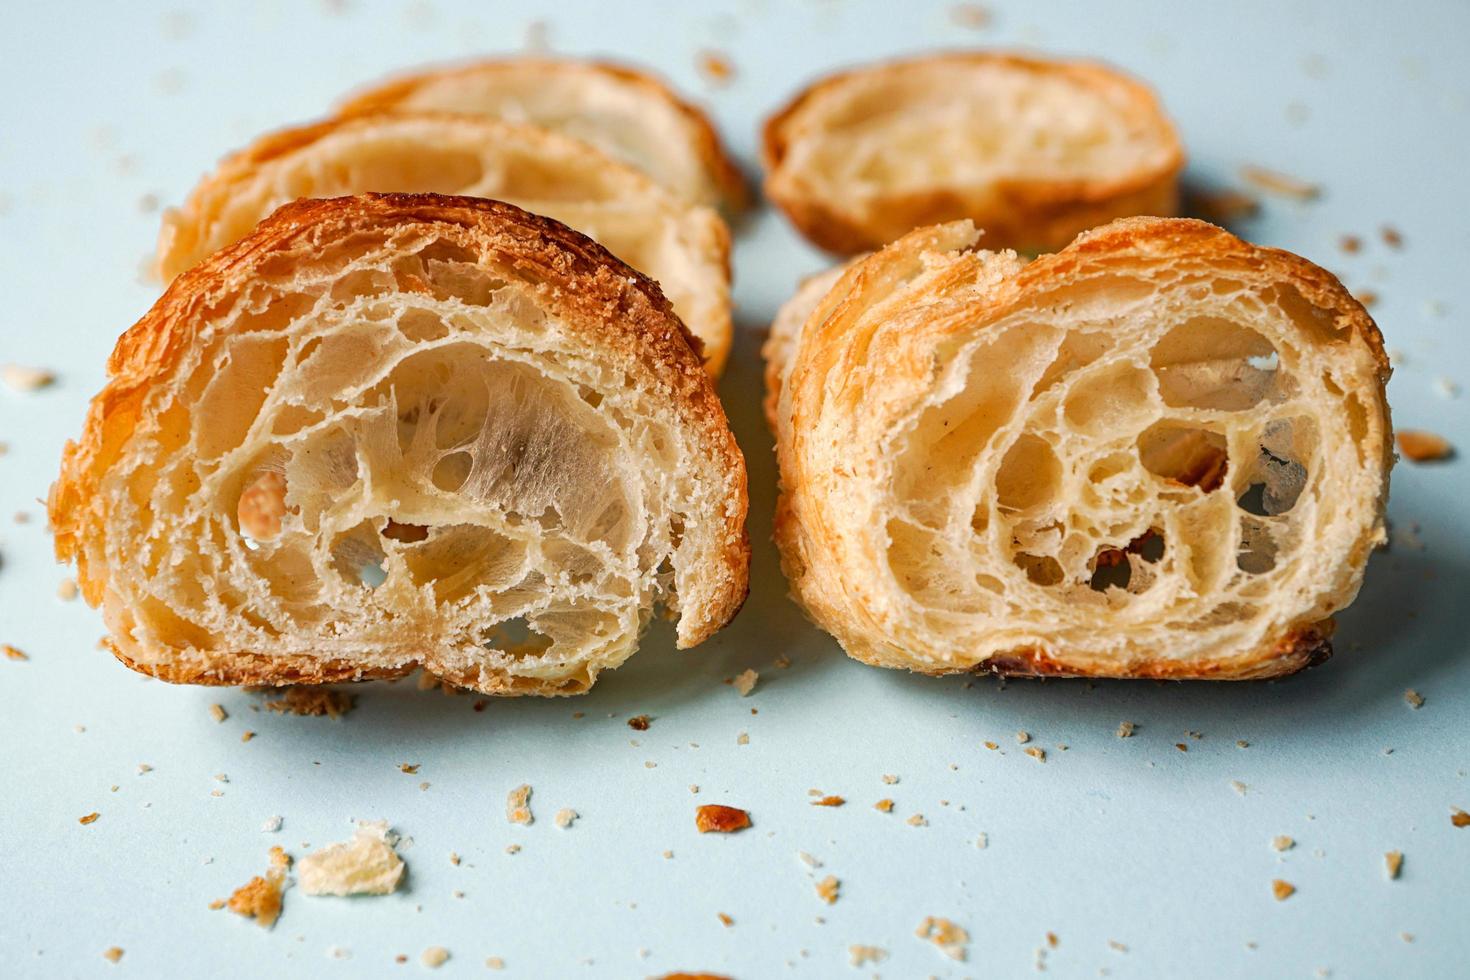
(1124, 840)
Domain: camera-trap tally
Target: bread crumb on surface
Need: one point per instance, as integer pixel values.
(312, 702)
(992, 746)
(1039, 754)
(512, 848)
(1282, 889)
(884, 805)
(862, 955)
(112, 954)
(1276, 182)
(518, 805)
(745, 681)
(218, 713)
(13, 653)
(742, 739)
(982, 841)
(1125, 729)
(1181, 746)
(434, 957)
(889, 780)
(410, 769)
(1113, 944)
(1393, 863)
(725, 920)
(495, 963)
(1392, 237)
(950, 938)
(639, 723)
(716, 68)
(717, 819)
(1460, 818)
(917, 820)
(66, 590)
(1413, 698)
(808, 860)
(89, 818)
(1238, 786)
(828, 888)
(271, 825)
(975, 16)
(564, 817)
(1422, 446)
(365, 865)
(260, 897)
(18, 377)
(1281, 842)
(246, 735)
(1023, 737)
(829, 801)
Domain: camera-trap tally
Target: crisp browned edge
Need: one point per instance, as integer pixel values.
(1037, 202)
(149, 350)
(734, 189)
(1300, 645)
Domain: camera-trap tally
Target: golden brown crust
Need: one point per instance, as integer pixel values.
(1031, 214)
(876, 345)
(726, 184)
(616, 308)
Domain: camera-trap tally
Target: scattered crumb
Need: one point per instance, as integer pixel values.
(1238, 786)
(1351, 244)
(365, 865)
(829, 801)
(715, 67)
(1051, 940)
(668, 855)
(564, 817)
(89, 818)
(1460, 818)
(1275, 182)
(742, 739)
(745, 682)
(889, 780)
(1367, 297)
(112, 954)
(512, 848)
(20, 378)
(1282, 889)
(1446, 388)
(863, 955)
(1113, 944)
(144, 767)
(312, 701)
(271, 825)
(1391, 237)
(1125, 729)
(1422, 446)
(495, 963)
(1242, 744)
(218, 712)
(260, 897)
(694, 788)
(13, 653)
(808, 860)
(518, 805)
(1039, 754)
(410, 769)
(950, 938)
(982, 841)
(639, 723)
(1181, 746)
(1282, 842)
(725, 920)
(1414, 699)
(1393, 862)
(884, 805)
(827, 889)
(717, 819)
(66, 590)
(917, 820)
(1023, 737)
(246, 735)
(434, 957)
(992, 746)
(975, 16)
(781, 662)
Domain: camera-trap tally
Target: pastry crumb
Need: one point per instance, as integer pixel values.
(312, 702)
(745, 681)
(112, 954)
(218, 713)
(1460, 818)
(639, 723)
(1393, 863)
(889, 780)
(992, 746)
(512, 848)
(1125, 729)
(564, 817)
(518, 805)
(1282, 889)
(495, 963)
(1023, 737)
(271, 825)
(1392, 237)
(1422, 446)
(1413, 698)
(717, 819)
(434, 957)
(725, 920)
(66, 590)
(1281, 842)
(884, 805)
(1181, 746)
(260, 897)
(246, 735)
(917, 820)
(949, 937)
(828, 888)
(1276, 182)
(829, 801)
(13, 653)
(365, 865)
(1037, 753)
(1113, 944)
(410, 769)
(858, 955)
(89, 818)
(975, 16)
(742, 739)
(1351, 244)
(18, 377)
(808, 860)
(1238, 786)
(715, 67)
(982, 841)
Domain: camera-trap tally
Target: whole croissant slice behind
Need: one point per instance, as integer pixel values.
(626, 113)
(394, 431)
(684, 247)
(1161, 452)
(1034, 151)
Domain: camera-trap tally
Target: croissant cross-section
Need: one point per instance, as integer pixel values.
(1161, 452)
(397, 431)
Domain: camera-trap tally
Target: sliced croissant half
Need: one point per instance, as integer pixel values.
(626, 113)
(684, 247)
(1033, 151)
(1161, 452)
(385, 432)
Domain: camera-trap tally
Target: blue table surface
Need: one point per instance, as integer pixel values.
(1139, 859)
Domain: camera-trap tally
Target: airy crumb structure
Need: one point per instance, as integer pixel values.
(950, 938)
(1421, 446)
(518, 805)
(365, 865)
(718, 819)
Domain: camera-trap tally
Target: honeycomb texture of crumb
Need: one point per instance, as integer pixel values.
(628, 114)
(1033, 151)
(684, 247)
(1162, 452)
(396, 431)
(365, 865)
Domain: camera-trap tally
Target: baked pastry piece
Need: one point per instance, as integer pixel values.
(1161, 452)
(684, 247)
(1033, 151)
(401, 430)
(626, 113)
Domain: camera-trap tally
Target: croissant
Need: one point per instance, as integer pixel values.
(394, 431)
(684, 247)
(1161, 452)
(628, 114)
(1033, 151)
